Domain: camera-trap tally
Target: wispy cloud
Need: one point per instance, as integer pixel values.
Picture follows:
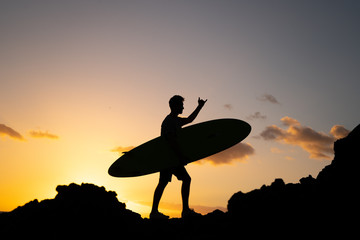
(228, 106)
(121, 149)
(289, 158)
(256, 115)
(268, 98)
(40, 134)
(238, 153)
(8, 131)
(276, 150)
(319, 145)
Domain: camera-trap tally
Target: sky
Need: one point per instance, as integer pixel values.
(80, 80)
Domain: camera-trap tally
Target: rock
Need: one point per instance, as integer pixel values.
(75, 207)
(332, 193)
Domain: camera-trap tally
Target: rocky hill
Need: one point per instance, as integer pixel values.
(322, 206)
(330, 200)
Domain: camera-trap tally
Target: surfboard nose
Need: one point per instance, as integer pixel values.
(112, 170)
(248, 127)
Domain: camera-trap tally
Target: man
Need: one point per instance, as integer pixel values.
(169, 129)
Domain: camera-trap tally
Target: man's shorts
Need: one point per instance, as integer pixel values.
(180, 172)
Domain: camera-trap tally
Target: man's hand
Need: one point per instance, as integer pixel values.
(193, 115)
(201, 102)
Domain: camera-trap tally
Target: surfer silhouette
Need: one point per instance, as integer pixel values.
(169, 129)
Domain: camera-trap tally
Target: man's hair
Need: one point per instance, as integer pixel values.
(175, 101)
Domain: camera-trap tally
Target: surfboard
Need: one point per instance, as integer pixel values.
(196, 142)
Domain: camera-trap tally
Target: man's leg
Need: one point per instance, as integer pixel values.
(157, 195)
(184, 176)
(185, 192)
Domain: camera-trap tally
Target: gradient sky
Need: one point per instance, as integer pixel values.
(79, 79)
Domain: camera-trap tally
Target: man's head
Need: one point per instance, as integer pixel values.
(176, 104)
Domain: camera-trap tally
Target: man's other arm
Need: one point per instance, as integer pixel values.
(194, 114)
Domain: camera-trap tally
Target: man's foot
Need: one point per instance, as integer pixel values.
(190, 213)
(158, 215)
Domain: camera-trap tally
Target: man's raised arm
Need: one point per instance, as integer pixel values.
(194, 114)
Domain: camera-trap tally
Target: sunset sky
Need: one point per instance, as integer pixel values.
(81, 79)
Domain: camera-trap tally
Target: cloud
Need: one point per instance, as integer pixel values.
(8, 131)
(40, 134)
(268, 98)
(289, 158)
(339, 131)
(239, 153)
(319, 145)
(121, 150)
(228, 106)
(276, 150)
(288, 121)
(256, 115)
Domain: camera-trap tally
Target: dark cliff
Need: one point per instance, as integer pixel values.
(331, 198)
